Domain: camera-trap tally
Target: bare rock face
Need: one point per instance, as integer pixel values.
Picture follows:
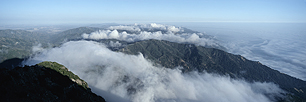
(38, 83)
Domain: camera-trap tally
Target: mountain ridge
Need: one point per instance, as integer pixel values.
(211, 60)
(194, 58)
(39, 83)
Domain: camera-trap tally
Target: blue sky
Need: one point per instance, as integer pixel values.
(133, 11)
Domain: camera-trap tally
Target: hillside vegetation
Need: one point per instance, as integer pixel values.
(213, 60)
(17, 44)
(64, 71)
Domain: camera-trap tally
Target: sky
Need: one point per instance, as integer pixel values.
(133, 11)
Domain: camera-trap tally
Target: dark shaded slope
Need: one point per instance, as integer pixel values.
(11, 63)
(36, 83)
(193, 57)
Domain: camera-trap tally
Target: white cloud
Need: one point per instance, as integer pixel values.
(139, 32)
(114, 44)
(37, 48)
(134, 78)
(280, 46)
(128, 28)
(147, 27)
(194, 38)
(164, 27)
(279, 55)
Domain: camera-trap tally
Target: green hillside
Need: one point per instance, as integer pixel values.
(64, 71)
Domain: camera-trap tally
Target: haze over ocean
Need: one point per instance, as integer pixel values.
(280, 46)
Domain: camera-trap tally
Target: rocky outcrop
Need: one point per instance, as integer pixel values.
(64, 71)
(39, 83)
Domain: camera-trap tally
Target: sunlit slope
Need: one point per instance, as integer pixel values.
(63, 70)
(18, 43)
(14, 48)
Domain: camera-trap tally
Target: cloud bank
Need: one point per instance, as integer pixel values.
(134, 78)
(285, 57)
(147, 27)
(281, 46)
(152, 31)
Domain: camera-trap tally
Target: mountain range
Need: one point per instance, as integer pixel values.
(191, 57)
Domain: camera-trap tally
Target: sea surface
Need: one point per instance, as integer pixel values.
(280, 46)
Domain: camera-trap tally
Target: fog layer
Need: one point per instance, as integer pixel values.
(280, 46)
(134, 78)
